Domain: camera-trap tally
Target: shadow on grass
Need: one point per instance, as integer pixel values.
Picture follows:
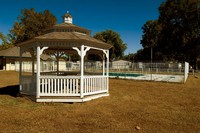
(10, 90)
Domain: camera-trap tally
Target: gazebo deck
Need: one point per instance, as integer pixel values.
(70, 99)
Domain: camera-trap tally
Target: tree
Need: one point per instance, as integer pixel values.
(176, 33)
(31, 24)
(151, 30)
(180, 28)
(114, 39)
(5, 42)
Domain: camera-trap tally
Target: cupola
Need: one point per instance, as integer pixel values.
(67, 18)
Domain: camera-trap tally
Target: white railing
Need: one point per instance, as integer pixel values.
(70, 85)
(95, 85)
(28, 84)
(59, 86)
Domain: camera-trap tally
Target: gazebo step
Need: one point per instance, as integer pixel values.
(69, 99)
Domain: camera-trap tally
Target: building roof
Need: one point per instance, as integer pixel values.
(69, 27)
(15, 52)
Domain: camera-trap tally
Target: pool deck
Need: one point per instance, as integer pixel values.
(156, 77)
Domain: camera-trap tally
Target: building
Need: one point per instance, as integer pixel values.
(9, 60)
(121, 64)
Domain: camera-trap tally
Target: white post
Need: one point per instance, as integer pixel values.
(38, 73)
(33, 70)
(33, 60)
(103, 64)
(20, 71)
(82, 54)
(82, 69)
(33, 65)
(186, 71)
(57, 58)
(107, 67)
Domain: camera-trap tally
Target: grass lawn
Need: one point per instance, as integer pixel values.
(153, 106)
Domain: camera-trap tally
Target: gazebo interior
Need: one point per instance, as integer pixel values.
(65, 39)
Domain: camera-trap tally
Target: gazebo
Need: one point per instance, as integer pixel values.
(58, 86)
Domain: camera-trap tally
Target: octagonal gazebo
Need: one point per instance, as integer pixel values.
(64, 38)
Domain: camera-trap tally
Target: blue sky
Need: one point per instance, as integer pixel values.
(123, 16)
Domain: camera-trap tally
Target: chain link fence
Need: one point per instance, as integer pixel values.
(170, 72)
(145, 68)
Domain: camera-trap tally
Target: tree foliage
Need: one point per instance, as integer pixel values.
(180, 27)
(115, 40)
(5, 42)
(176, 33)
(31, 24)
(151, 30)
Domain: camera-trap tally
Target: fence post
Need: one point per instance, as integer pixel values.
(186, 71)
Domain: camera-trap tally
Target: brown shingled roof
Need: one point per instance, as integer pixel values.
(69, 26)
(15, 52)
(71, 37)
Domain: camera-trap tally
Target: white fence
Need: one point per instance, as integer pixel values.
(70, 85)
(64, 85)
(59, 86)
(95, 84)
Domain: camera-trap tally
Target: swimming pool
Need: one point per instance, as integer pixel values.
(125, 74)
(148, 77)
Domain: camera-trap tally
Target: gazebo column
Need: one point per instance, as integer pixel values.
(39, 52)
(57, 63)
(103, 64)
(33, 69)
(82, 54)
(20, 70)
(38, 73)
(107, 66)
(82, 69)
(33, 63)
(107, 55)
